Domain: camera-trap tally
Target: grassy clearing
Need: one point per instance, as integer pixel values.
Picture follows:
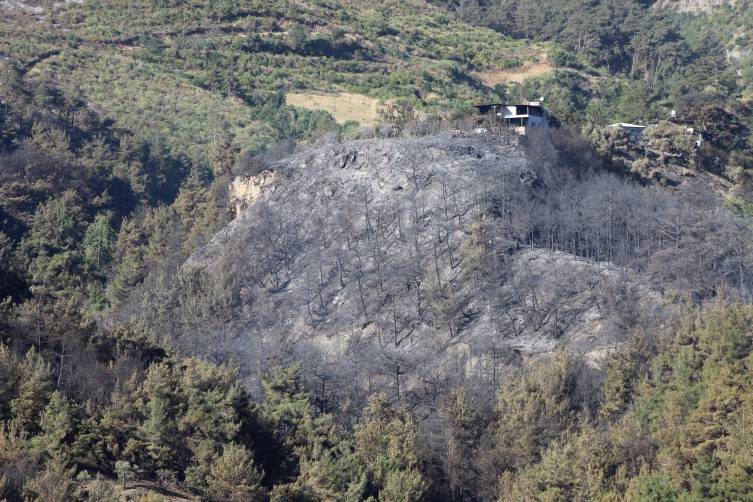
(343, 106)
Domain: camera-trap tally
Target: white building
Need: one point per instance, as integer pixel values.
(521, 118)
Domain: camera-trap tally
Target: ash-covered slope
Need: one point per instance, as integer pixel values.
(390, 264)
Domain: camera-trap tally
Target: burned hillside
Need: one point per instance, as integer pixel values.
(413, 265)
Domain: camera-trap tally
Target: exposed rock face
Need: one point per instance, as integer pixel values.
(387, 264)
(245, 191)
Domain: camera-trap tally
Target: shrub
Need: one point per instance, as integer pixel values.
(563, 58)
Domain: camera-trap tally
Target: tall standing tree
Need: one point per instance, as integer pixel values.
(99, 240)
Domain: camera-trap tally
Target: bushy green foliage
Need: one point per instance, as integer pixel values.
(54, 483)
(534, 409)
(740, 206)
(192, 422)
(563, 58)
(233, 477)
(676, 432)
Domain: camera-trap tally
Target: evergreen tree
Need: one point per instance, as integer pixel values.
(33, 390)
(297, 38)
(99, 240)
(464, 431)
(158, 435)
(387, 441)
(56, 423)
(8, 129)
(652, 487)
(534, 408)
(233, 477)
(128, 274)
(52, 245)
(198, 207)
(287, 415)
(223, 154)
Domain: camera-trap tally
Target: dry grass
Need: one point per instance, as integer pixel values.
(342, 106)
(490, 78)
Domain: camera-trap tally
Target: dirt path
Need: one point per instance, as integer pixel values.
(167, 494)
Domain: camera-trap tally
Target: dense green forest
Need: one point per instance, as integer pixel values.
(122, 126)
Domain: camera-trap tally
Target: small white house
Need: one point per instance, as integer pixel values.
(521, 118)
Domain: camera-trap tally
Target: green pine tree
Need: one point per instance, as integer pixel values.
(56, 423)
(99, 240)
(234, 478)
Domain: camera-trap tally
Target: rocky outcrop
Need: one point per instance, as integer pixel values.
(246, 190)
